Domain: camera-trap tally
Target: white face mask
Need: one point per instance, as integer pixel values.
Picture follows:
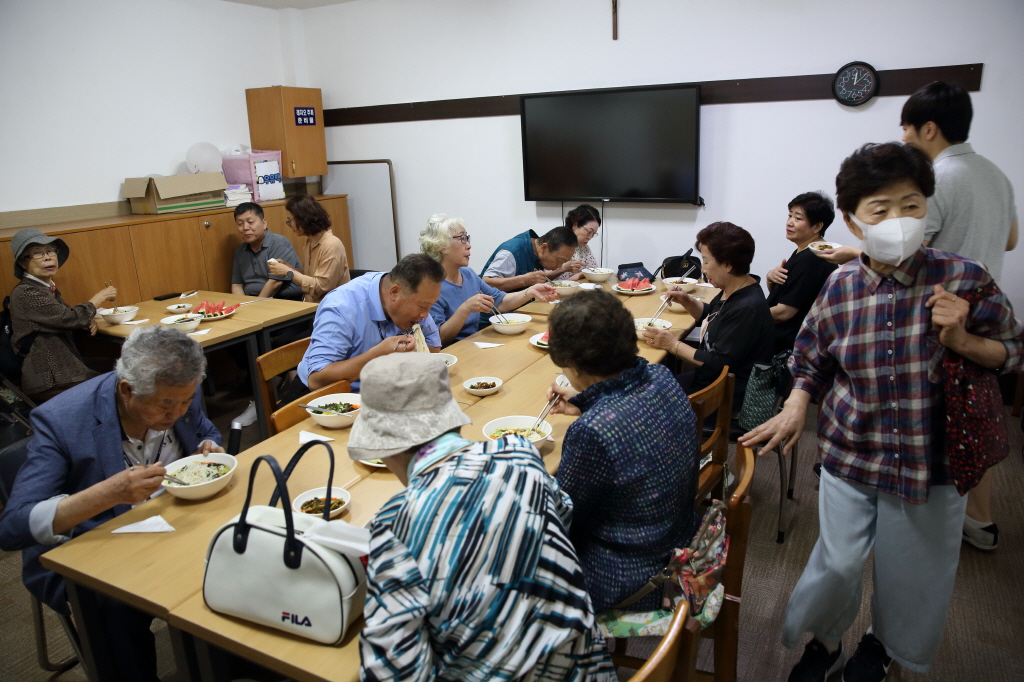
(891, 241)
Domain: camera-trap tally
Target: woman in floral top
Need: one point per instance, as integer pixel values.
(585, 221)
(630, 462)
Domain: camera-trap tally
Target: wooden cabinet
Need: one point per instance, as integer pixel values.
(96, 257)
(273, 125)
(146, 256)
(220, 240)
(168, 257)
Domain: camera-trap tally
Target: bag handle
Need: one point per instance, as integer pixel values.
(292, 547)
(291, 467)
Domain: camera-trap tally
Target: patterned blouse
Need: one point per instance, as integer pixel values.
(630, 465)
(583, 253)
(867, 350)
(472, 577)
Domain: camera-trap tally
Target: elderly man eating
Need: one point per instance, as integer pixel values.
(100, 448)
(371, 316)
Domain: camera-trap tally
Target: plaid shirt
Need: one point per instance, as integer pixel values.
(869, 349)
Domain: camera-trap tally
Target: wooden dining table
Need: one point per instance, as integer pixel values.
(162, 573)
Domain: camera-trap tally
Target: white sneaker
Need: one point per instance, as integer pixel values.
(985, 538)
(247, 418)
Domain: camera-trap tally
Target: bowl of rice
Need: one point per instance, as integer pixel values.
(206, 475)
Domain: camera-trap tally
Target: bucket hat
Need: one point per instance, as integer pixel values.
(406, 401)
(29, 236)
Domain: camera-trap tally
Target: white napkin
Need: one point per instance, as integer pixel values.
(484, 344)
(136, 321)
(154, 524)
(557, 300)
(309, 437)
(194, 293)
(199, 333)
(340, 536)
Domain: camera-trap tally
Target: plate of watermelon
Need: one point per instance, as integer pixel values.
(634, 286)
(215, 311)
(540, 340)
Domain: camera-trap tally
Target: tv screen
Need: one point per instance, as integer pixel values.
(623, 144)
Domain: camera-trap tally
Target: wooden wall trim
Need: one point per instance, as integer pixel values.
(892, 83)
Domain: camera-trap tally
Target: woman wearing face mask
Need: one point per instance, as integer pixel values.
(42, 322)
(867, 353)
(464, 296)
(585, 221)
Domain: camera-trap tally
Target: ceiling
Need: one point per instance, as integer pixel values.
(294, 4)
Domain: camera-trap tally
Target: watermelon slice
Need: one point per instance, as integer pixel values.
(543, 341)
(199, 308)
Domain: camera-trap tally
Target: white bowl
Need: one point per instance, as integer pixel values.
(482, 391)
(516, 323)
(336, 491)
(818, 247)
(448, 358)
(188, 324)
(566, 287)
(597, 274)
(687, 284)
(517, 422)
(201, 491)
(335, 421)
(124, 314)
(590, 286)
(640, 324)
(180, 307)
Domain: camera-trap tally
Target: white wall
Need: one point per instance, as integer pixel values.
(754, 157)
(94, 92)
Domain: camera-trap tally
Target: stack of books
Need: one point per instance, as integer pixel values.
(237, 194)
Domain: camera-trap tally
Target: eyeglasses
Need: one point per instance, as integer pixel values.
(43, 255)
(464, 238)
(288, 222)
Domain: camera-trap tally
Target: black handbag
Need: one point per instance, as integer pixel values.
(686, 265)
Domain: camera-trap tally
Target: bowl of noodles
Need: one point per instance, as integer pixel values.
(206, 475)
(516, 425)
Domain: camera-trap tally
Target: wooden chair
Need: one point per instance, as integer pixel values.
(715, 399)
(675, 657)
(278, 361)
(291, 414)
(726, 629)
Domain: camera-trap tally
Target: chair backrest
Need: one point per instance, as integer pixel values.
(276, 362)
(675, 657)
(11, 459)
(715, 399)
(291, 414)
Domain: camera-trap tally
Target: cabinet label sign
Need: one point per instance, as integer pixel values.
(305, 116)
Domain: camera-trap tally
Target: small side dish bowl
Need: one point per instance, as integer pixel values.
(468, 385)
(186, 323)
(818, 247)
(336, 491)
(123, 314)
(180, 307)
(517, 422)
(200, 491)
(515, 323)
(335, 421)
(597, 274)
(448, 358)
(641, 323)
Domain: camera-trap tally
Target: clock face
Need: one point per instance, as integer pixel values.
(855, 84)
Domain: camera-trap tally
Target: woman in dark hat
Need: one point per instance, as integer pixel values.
(42, 322)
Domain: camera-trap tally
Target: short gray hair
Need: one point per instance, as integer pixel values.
(436, 237)
(160, 355)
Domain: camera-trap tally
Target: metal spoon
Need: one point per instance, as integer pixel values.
(324, 409)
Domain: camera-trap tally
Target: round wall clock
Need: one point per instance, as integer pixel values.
(855, 84)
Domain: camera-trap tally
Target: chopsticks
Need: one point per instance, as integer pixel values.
(551, 404)
(174, 479)
(255, 300)
(665, 303)
(501, 318)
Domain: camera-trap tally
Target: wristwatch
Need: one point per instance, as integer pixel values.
(289, 274)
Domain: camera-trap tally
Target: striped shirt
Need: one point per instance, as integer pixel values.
(869, 349)
(472, 577)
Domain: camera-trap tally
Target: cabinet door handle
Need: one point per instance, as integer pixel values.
(293, 166)
(206, 223)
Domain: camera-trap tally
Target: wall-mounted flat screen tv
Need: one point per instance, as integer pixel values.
(622, 144)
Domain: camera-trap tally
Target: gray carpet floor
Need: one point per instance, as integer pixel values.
(983, 632)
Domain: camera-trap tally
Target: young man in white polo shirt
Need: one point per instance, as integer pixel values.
(972, 213)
